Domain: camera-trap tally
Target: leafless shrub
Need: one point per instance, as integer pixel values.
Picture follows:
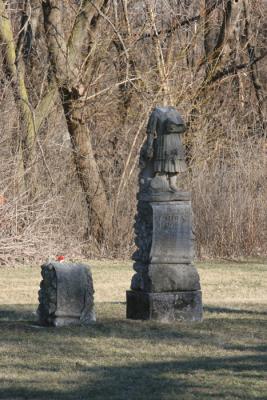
(210, 65)
(229, 203)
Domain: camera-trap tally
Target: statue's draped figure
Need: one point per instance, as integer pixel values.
(166, 284)
(164, 146)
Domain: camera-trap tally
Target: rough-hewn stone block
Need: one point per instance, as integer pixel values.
(66, 295)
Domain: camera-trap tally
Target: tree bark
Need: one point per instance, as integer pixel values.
(258, 89)
(14, 71)
(86, 166)
(69, 60)
(215, 29)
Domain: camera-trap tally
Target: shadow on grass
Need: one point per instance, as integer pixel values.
(18, 312)
(223, 310)
(185, 377)
(27, 313)
(260, 348)
(117, 326)
(158, 381)
(161, 379)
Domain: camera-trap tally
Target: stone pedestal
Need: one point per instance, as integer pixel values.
(165, 306)
(166, 285)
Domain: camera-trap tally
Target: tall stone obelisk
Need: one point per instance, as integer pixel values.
(166, 284)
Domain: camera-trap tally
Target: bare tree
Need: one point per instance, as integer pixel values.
(97, 68)
(71, 60)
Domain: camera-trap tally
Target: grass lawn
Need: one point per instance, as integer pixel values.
(224, 357)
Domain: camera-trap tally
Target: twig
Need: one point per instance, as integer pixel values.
(118, 34)
(37, 140)
(109, 88)
(44, 160)
(232, 69)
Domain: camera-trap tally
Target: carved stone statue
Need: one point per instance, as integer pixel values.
(166, 284)
(163, 149)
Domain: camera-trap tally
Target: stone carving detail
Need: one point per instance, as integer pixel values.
(66, 295)
(165, 277)
(143, 229)
(162, 157)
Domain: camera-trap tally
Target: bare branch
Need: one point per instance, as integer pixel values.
(232, 69)
(101, 92)
(184, 22)
(84, 25)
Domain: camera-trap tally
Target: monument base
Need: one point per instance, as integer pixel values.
(164, 307)
(61, 321)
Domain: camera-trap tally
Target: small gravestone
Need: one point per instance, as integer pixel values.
(66, 295)
(166, 285)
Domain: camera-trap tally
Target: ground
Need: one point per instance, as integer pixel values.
(224, 357)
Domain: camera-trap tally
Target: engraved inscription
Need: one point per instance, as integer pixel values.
(171, 222)
(172, 233)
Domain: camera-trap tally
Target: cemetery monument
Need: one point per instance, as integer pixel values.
(66, 295)
(166, 284)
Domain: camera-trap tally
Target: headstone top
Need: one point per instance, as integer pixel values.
(66, 294)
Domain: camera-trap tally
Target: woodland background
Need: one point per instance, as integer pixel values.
(78, 80)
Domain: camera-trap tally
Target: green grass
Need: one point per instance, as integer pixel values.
(224, 357)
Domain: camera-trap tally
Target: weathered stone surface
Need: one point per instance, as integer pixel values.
(143, 228)
(151, 196)
(164, 232)
(66, 294)
(166, 284)
(171, 278)
(65, 321)
(159, 184)
(164, 307)
(164, 148)
(173, 239)
(167, 278)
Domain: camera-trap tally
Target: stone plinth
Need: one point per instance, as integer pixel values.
(164, 307)
(66, 295)
(166, 285)
(167, 278)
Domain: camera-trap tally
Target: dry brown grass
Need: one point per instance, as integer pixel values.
(220, 358)
(223, 283)
(226, 139)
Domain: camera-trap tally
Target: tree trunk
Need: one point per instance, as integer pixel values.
(86, 166)
(30, 119)
(258, 88)
(14, 71)
(68, 61)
